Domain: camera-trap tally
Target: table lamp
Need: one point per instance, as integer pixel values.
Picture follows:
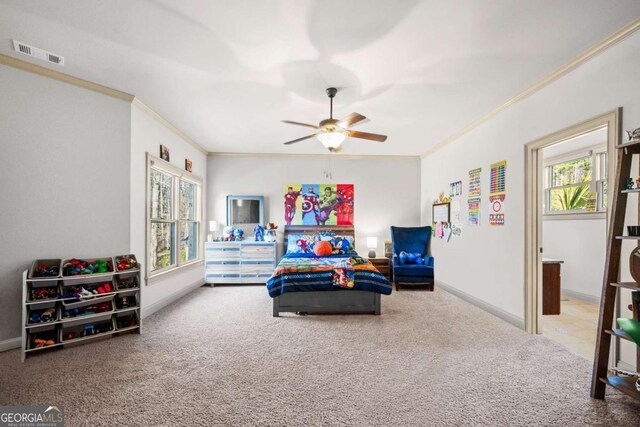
(372, 244)
(213, 228)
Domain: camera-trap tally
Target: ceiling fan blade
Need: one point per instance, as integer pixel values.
(351, 120)
(366, 135)
(300, 124)
(300, 139)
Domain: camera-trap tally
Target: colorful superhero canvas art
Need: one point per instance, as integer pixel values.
(318, 204)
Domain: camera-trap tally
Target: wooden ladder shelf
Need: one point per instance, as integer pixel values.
(611, 284)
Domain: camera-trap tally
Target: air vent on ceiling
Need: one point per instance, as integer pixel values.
(38, 53)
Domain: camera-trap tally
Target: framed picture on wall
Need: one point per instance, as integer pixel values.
(164, 152)
(388, 251)
(187, 165)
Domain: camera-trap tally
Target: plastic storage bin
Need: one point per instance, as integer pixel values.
(83, 328)
(49, 264)
(65, 272)
(126, 262)
(37, 313)
(43, 337)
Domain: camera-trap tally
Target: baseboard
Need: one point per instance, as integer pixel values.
(489, 308)
(158, 305)
(10, 344)
(581, 296)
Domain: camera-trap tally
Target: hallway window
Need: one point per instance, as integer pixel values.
(576, 183)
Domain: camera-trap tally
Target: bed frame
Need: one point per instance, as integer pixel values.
(329, 302)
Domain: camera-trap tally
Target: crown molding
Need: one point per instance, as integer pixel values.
(610, 41)
(95, 87)
(333, 156)
(57, 75)
(157, 117)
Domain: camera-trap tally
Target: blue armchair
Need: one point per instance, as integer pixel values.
(412, 240)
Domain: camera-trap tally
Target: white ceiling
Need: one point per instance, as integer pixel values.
(227, 72)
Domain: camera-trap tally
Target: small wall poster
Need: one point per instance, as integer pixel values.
(498, 172)
(474, 182)
(455, 188)
(497, 196)
(474, 210)
(496, 217)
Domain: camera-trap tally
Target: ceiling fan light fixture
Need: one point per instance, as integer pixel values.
(331, 140)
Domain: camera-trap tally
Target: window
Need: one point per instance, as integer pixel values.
(174, 217)
(577, 183)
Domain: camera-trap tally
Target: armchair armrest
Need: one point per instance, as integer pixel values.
(429, 261)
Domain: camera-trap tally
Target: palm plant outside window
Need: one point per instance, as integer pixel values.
(577, 184)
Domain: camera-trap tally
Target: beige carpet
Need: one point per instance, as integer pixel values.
(217, 357)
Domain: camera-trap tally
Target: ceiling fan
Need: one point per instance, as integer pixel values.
(332, 132)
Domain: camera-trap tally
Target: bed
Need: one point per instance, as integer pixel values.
(306, 283)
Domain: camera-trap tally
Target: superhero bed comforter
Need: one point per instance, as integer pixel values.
(298, 272)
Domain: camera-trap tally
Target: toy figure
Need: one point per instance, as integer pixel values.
(638, 183)
(270, 232)
(227, 233)
(628, 184)
(237, 234)
(258, 232)
(633, 134)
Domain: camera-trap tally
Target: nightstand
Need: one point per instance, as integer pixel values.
(382, 265)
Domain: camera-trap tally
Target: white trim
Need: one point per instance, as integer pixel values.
(162, 274)
(533, 187)
(323, 155)
(561, 216)
(516, 321)
(576, 154)
(158, 305)
(10, 344)
(581, 296)
(610, 41)
(153, 162)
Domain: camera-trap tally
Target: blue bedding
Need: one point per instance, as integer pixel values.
(307, 272)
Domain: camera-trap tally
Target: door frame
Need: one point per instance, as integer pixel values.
(533, 203)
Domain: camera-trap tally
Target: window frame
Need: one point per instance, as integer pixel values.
(600, 165)
(155, 163)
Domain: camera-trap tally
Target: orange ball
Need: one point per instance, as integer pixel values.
(322, 248)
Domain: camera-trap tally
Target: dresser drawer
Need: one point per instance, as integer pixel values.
(230, 266)
(223, 278)
(256, 267)
(257, 251)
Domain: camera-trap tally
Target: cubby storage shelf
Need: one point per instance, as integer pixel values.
(625, 385)
(53, 330)
(78, 318)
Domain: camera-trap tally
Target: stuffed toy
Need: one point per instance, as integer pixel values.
(410, 258)
(237, 234)
(258, 232)
(227, 233)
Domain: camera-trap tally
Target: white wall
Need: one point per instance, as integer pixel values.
(64, 168)
(581, 244)
(494, 256)
(387, 190)
(146, 136)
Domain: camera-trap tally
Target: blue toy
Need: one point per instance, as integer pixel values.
(258, 232)
(237, 234)
(411, 258)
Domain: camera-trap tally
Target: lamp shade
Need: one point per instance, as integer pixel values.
(372, 242)
(331, 139)
(213, 225)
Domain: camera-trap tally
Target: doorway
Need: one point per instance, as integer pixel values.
(558, 195)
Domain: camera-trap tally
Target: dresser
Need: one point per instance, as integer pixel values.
(239, 262)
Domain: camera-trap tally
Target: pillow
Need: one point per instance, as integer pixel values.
(300, 244)
(342, 245)
(410, 258)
